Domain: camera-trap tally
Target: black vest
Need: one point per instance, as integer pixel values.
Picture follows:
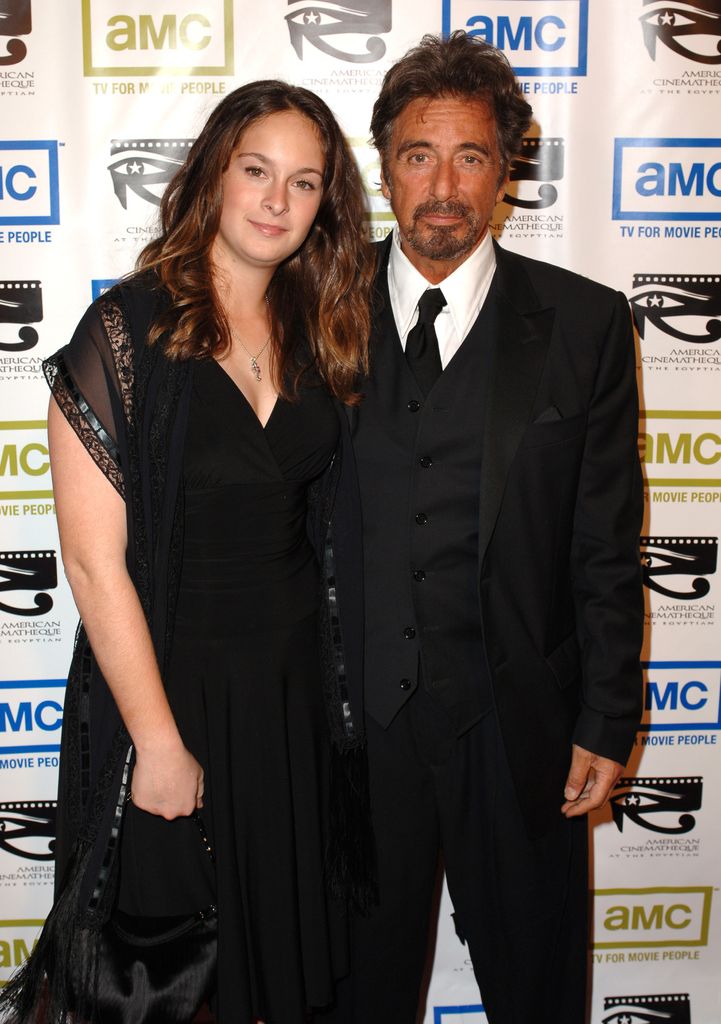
(419, 466)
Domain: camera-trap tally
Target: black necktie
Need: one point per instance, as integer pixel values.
(422, 352)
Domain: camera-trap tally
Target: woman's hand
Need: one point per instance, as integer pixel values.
(167, 781)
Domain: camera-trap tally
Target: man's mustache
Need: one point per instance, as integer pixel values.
(449, 209)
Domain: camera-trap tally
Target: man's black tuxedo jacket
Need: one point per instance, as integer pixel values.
(560, 515)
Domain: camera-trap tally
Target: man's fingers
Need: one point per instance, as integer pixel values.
(577, 773)
(601, 776)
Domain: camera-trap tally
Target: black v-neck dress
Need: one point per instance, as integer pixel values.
(244, 684)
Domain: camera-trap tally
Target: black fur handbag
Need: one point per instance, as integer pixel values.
(153, 970)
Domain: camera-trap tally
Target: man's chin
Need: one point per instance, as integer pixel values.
(435, 248)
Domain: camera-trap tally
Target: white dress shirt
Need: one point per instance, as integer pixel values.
(464, 290)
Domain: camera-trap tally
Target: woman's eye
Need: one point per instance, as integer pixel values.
(254, 172)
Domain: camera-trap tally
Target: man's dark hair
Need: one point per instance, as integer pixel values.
(459, 66)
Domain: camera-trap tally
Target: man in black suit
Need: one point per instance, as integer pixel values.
(501, 499)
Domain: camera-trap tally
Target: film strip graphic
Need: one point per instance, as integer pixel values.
(21, 302)
(691, 559)
(145, 166)
(27, 828)
(661, 299)
(28, 571)
(640, 798)
(540, 160)
(674, 1008)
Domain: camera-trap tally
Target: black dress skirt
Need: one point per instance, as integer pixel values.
(244, 684)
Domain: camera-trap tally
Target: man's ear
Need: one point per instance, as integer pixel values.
(385, 186)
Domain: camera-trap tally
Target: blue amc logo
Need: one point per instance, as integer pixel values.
(682, 695)
(667, 179)
(29, 183)
(31, 715)
(99, 285)
(539, 37)
(471, 1014)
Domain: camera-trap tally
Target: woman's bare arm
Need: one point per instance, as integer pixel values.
(167, 780)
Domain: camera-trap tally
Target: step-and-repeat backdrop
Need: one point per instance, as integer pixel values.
(619, 179)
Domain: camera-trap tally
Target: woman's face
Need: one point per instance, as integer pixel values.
(271, 192)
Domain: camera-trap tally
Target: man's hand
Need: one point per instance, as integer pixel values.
(590, 780)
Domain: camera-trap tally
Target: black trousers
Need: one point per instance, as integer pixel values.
(520, 904)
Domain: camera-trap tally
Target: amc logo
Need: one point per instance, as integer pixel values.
(681, 448)
(100, 285)
(24, 460)
(17, 941)
(29, 183)
(472, 1014)
(663, 916)
(539, 37)
(681, 695)
(31, 714)
(667, 179)
(155, 37)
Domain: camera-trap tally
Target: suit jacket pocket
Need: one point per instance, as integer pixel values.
(565, 661)
(553, 431)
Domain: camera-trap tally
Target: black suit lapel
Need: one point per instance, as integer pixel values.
(520, 344)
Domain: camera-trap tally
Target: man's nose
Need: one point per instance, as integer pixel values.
(445, 181)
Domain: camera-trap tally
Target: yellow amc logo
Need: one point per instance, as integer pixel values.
(24, 461)
(156, 37)
(681, 448)
(17, 941)
(634, 918)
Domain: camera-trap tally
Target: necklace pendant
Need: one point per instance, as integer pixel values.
(254, 368)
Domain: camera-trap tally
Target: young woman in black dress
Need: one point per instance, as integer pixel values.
(196, 407)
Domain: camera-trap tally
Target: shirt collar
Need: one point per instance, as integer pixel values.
(464, 290)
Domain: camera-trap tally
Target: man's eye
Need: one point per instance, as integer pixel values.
(418, 158)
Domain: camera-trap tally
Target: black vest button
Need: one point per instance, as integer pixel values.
(426, 461)
(409, 633)
(405, 684)
(413, 405)
(421, 519)
(418, 575)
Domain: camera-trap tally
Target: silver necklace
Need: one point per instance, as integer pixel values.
(254, 365)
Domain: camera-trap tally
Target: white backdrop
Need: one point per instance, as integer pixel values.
(620, 179)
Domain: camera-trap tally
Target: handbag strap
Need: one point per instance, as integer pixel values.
(203, 835)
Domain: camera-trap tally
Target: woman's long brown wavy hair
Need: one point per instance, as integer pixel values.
(319, 296)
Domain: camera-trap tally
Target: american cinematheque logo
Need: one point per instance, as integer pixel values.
(540, 163)
(21, 302)
(686, 307)
(692, 30)
(673, 1008)
(27, 828)
(145, 166)
(678, 567)
(532, 192)
(15, 20)
(334, 27)
(23, 573)
(660, 805)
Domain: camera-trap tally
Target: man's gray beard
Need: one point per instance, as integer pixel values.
(442, 243)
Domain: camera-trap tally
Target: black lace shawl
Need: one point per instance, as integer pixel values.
(129, 404)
